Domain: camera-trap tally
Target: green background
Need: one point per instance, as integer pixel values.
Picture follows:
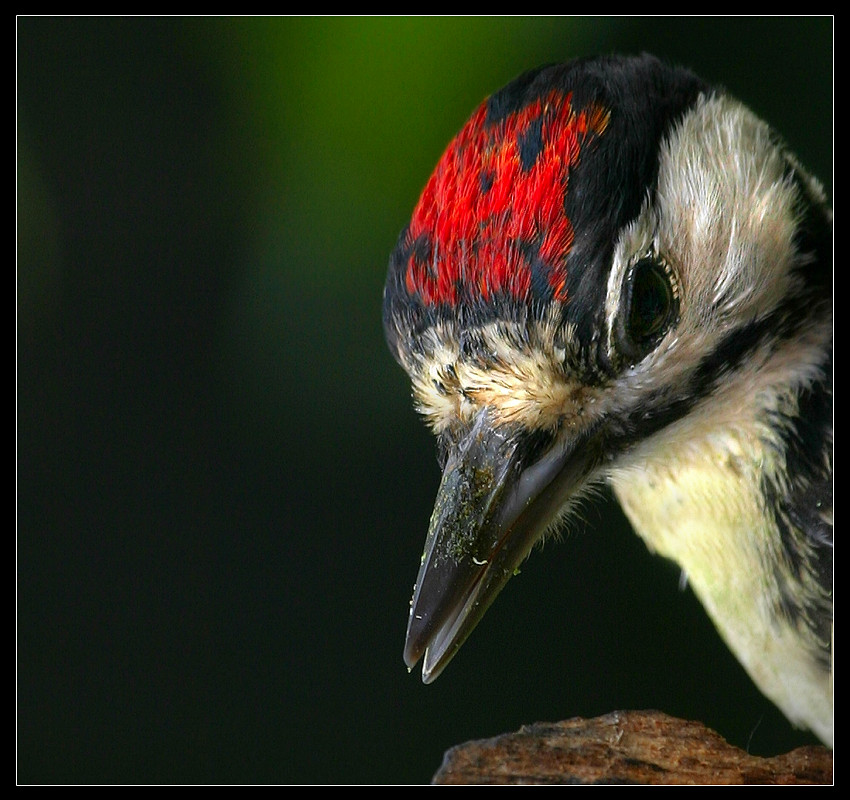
(222, 490)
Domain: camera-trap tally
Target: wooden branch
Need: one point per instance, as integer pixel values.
(625, 747)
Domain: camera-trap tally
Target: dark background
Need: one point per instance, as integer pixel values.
(222, 490)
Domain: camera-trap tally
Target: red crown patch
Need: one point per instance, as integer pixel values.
(495, 204)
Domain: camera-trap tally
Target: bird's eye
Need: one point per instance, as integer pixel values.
(651, 305)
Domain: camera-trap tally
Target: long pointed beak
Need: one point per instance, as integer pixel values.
(495, 501)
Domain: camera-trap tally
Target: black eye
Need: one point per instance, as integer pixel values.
(651, 306)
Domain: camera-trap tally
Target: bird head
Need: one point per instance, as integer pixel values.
(603, 260)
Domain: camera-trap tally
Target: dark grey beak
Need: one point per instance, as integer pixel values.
(496, 500)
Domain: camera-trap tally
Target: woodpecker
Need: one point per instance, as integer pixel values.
(618, 273)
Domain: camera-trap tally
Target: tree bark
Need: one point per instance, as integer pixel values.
(625, 747)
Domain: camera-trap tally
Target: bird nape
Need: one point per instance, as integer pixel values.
(618, 273)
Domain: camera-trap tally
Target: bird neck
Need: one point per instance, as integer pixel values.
(694, 493)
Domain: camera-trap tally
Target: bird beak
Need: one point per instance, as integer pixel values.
(493, 504)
